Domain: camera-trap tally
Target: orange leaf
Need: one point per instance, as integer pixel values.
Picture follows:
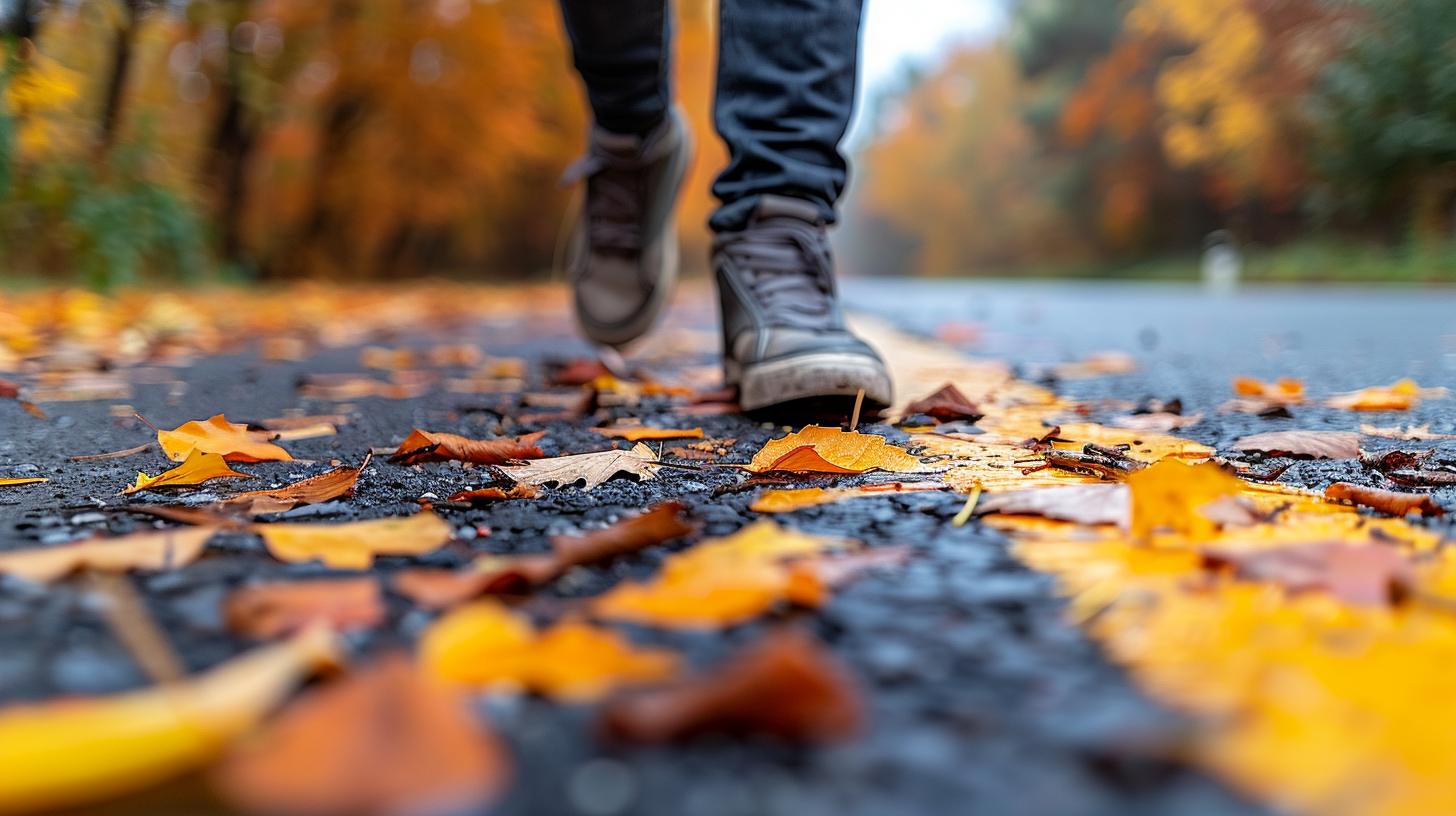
(485, 644)
(1168, 494)
(784, 686)
(353, 545)
(385, 740)
(321, 488)
(266, 611)
(424, 446)
(658, 524)
(486, 495)
(200, 467)
(1285, 391)
(20, 481)
(1401, 395)
(638, 434)
(833, 451)
(162, 550)
(784, 501)
(233, 441)
(1389, 502)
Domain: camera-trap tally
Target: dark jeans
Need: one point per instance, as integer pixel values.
(786, 81)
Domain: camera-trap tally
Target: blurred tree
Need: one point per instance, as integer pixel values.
(1385, 115)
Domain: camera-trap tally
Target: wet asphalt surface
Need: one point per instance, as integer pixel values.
(980, 698)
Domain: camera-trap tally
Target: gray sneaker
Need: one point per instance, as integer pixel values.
(784, 340)
(623, 254)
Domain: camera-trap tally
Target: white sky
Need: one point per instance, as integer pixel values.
(897, 32)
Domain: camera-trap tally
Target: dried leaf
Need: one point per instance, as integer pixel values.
(1389, 502)
(784, 501)
(305, 432)
(198, 468)
(591, 469)
(117, 454)
(946, 404)
(1099, 364)
(424, 446)
(784, 686)
(21, 481)
(1310, 444)
(353, 545)
(661, 523)
(1412, 433)
(1401, 395)
(638, 434)
(1365, 574)
(231, 440)
(719, 582)
(1286, 391)
(386, 740)
(1161, 422)
(1084, 504)
(334, 484)
(76, 752)
(486, 495)
(485, 644)
(1169, 494)
(443, 588)
(270, 610)
(831, 450)
(161, 550)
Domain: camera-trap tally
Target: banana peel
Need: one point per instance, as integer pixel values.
(76, 752)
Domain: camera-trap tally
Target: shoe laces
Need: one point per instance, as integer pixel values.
(616, 191)
(786, 264)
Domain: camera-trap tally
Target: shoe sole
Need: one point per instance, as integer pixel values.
(811, 377)
(621, 334)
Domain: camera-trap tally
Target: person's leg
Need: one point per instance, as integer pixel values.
(786, 83)
(620, 48)
(786, 86)
(622, 257)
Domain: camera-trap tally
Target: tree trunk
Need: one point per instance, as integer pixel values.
(116, 83)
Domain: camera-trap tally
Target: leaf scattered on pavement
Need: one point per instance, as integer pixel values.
(199, 467)
(1168, 496)
(1367, 574)
(591, 469)
(353, 545)
(424, 446)
(947, 404)
(334, 484)
(487, 495)
(21, 481)
(1303, 444)
(155, 551)
(830, 450)
(639, 433)
(1389, 502)
(1084, 504)
(1401, 395)
(232, 440)
(269, 610)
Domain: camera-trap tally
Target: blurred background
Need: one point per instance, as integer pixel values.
(233, 140)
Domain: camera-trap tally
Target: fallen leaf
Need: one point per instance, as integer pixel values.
(424, 446)
(1401, 395)
(831, 450)
(1144, 446)
(353, 545)
(198, 468)
(1389, 502)
(591, 469)
(776, 500)
(485, 495)
(303, 421)
(21, 481)
(334, 484)
(784, 686)
(946, 404)
(1096, 365)
(1084, 504)
(718, 582)
(1285, 390)
(116, 454)
(269, 610)
(156, 551)
(637, 434)
(1161, 422)
(486, 644)
(580, 371)
(1304, 444)
(1168, 495)
(1412, 433)
(1366, 574)
(661, 523)
(75, 752)
(305, 432)
(232, 440)
(386, 740)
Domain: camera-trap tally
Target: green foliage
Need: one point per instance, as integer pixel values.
(1385, 114)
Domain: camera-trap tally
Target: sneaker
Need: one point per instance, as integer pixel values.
(623, 254)
(785, 344)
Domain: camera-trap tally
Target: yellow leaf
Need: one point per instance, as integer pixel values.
(783, 501)
(719, 582)
(199, 467)
(638, 434)
(233, 441)
(486, 644)
(353, 545)
(162, 550)
(1167, 495)
(19, 481)
(82, 751)
(840, 451)
(1401, 395)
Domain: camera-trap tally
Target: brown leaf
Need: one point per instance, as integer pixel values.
(316, 489)
(385, 740)
(486, 495)
(591, 469)
(661, 523)
(1384, 501)
(580, 371)
(946, 404)
(1161, 422)
(443, 588)
(424, 446)
(1084, 504)
(1310, 444)
(270, 610)
(784, 686)
(1366, 574)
